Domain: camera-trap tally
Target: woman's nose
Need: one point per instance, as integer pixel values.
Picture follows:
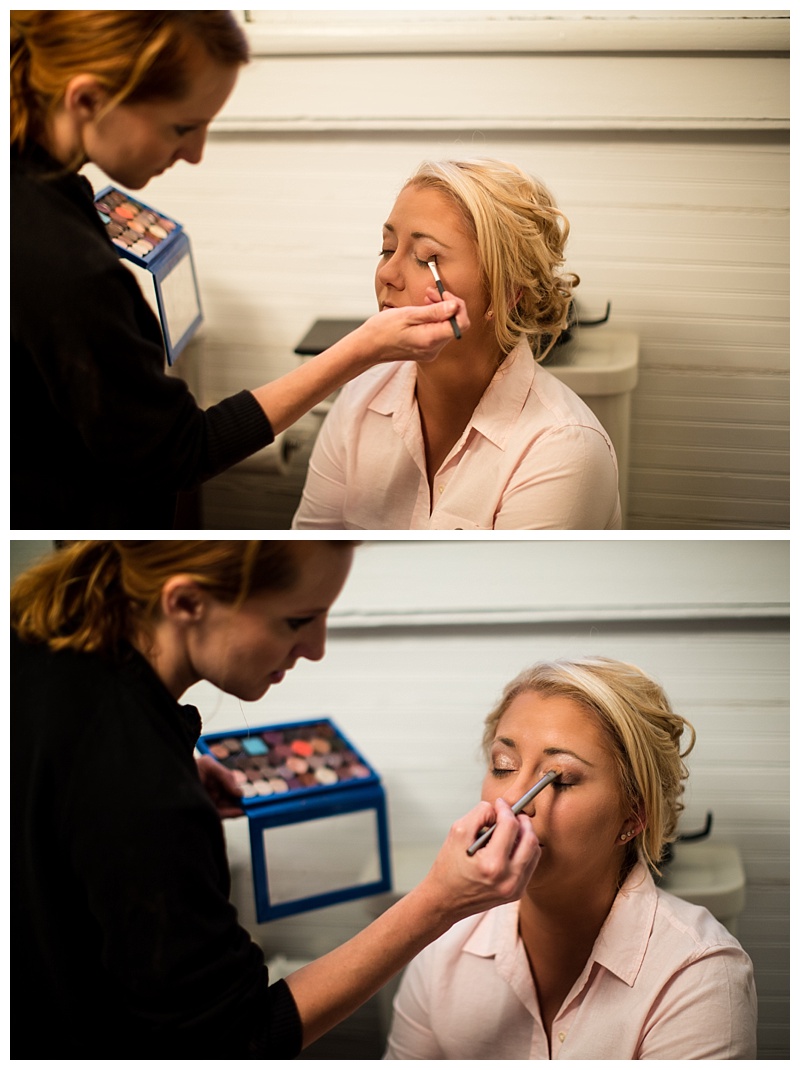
(389, 273)
(193, 147)
(312, 645)
(513, 795)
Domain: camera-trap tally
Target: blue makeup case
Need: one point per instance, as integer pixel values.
(157, 245)
(316, 811)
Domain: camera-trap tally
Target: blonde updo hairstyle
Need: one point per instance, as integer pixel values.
(642, 731)
(90, 596)
(520, 235)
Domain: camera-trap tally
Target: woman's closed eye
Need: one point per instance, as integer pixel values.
(384, 254)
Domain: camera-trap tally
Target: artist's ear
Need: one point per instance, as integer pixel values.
(183, 600)
(85, 97)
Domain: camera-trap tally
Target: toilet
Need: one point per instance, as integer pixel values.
(602, 367)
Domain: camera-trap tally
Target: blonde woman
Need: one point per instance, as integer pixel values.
(484, 437)
(124, 937)
(596, 961)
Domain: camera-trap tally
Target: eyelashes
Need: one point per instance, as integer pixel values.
(557, 785)
(385, 253)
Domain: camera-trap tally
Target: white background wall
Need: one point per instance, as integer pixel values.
(664, 136)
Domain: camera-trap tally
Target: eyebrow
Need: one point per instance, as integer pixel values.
(551, 752)
(417, 235)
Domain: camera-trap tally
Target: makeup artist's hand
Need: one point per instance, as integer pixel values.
(497, 873)
(416, 332)
(221, 785)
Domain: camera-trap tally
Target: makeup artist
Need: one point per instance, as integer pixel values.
(101, 437)
(123, 936)
(595, 961)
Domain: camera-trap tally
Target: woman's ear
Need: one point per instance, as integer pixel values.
(85, 97)
(183, 600)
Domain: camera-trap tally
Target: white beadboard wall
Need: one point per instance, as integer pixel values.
(426, 633)
(664, 136)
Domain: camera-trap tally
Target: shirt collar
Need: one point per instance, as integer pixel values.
(504, 399)
(496, 412)
(622, 942)
(620, 946)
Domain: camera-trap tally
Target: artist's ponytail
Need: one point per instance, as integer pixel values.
(73, 598)
(22, 98)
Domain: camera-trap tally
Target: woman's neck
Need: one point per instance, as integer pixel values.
(576, 918)
(558, 934)
(448, 390)
(59, 140)
(164, 649)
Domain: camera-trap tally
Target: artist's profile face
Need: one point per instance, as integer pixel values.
(135, 142)
(422, 224)
(579, 818)
(244, 650)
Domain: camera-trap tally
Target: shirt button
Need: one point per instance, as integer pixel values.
(441, 490)
(562, 1037)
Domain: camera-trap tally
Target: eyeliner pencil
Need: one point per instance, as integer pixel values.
(517, 808)
(440, 288)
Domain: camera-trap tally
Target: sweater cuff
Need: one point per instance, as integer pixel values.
(282, 1034)
(237, 427)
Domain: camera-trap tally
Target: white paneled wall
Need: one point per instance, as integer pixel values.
(663, 135)
(426, 634)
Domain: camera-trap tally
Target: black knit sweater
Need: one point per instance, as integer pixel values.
(101, 436)
(124, 942)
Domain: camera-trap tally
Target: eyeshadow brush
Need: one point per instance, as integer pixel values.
(440, 288)
(517, 808)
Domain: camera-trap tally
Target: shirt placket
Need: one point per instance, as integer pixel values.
(448, 469)
(560, 1031)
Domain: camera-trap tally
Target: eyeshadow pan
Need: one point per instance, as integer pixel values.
(254, 745)
(325, 776)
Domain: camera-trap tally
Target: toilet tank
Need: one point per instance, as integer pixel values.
(602, 367)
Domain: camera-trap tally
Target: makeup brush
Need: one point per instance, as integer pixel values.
(517, 808)
(440, 288)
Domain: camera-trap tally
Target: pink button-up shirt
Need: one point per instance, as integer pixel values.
(664, 981)
(533, 455)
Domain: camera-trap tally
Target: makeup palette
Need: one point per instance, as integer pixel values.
(157, 249)
(317, 814)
